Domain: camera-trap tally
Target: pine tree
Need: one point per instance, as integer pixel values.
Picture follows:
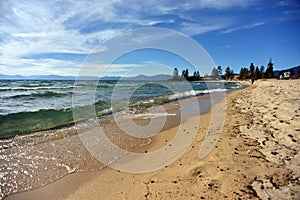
(183, 74)
(186, 73)
(231, 74)
(244, 73)
(215, 73)
(257, 74)
(252, 69)
(227, 73)
(269, 72)
(262, 71)
(241, 77)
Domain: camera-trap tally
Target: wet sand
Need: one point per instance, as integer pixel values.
(256, 156)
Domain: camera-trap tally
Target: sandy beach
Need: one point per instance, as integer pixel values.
(256, 156)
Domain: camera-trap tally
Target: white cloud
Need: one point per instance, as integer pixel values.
(93, 69)
(33, 27)
(40, 66)
(193, 29)
(229, 30)
(42, 29)
(64, 68)
(242, 27)
(218, 4)
(254, 25)
(3, 68)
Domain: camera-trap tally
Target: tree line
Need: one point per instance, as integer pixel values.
(245, 73)
(185, 75)
(257, 72)
(217, 73)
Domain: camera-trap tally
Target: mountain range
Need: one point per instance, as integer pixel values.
(294, 69)
(159, 77)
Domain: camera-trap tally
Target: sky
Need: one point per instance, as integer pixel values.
(56, 37)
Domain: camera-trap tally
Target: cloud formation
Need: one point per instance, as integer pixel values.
(31, 28)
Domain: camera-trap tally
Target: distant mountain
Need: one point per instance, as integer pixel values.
(295, 70)
(35, 77)
(159, 77)
(15, 77)
(110, 78)
(51, 77)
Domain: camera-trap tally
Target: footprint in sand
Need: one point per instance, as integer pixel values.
(197, 172)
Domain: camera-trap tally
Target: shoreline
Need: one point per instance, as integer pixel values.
(171, 107)
(62, 151)
(58, 188)
(237, 167)
(35, 124)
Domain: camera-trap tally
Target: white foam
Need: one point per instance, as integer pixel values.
(151, 115)
(191, 93)
(105, 111)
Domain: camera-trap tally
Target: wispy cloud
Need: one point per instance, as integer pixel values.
(242, 27)
(254, 25)
(31, 28)
(106, 69)
(194, 28)
(223, 4)
(43, 67)
(288, 3)
(225, 46)
(229, 30)
(290, 15)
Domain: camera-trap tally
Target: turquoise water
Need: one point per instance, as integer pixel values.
(33, 105)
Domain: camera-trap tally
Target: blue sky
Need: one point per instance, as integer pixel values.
(55, 37)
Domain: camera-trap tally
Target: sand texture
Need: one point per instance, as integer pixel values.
(255, 157)
(274, 107)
